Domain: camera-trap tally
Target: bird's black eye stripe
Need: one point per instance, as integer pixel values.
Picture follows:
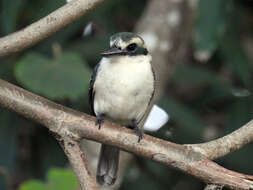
(131, 47)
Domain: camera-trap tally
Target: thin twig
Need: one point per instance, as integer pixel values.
(79, 164)
(68, 123)
(46, 26)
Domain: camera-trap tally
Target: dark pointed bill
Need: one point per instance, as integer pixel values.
(113, 51)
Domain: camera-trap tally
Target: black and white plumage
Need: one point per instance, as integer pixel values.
(121, 88)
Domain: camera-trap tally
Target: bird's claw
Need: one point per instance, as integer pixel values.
(99, 121)
(137, 130)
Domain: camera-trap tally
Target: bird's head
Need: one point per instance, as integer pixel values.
(126, 43)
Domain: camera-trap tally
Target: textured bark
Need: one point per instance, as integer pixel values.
(46, 26)
(227, 144)
(70, 124)
(78, 162)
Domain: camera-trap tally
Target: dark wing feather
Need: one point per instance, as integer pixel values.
(91, 90)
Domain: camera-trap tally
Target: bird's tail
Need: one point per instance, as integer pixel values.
(107, 165)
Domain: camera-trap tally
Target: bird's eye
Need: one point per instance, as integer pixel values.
(131, 47)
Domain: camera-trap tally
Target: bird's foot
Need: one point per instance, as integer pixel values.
(99, 120)
(137, 130)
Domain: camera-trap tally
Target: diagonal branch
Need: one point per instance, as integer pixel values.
(75, 125)
(227, 144)
(46, 26)
(78, 163)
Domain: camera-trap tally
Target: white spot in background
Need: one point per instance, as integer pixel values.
(173, 18)
(202, 56)
(193, 3)
(68, 1)
(150, 39)
(165, 46)
(240, 92)
(88, 29)
(156, 119)
(176, 1)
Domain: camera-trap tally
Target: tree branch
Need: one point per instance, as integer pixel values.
(227, 144)
(68, 123)
(46, 26)
(78, 163)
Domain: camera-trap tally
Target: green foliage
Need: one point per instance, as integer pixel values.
(57, 179)
(234, 55)
(9, 11)
(211, 24)
(191, 123)
(220, 88)
(33, 185)
(239, 113)
(63, 77)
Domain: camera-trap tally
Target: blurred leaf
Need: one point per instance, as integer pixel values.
(197, 76)
(188, 119)
(8, 141)
(33, 185)
(57, 179)
(6, 71)
(42, 9)
(90, 48)
(194, 75)
(64, 77)
(239, 113)
(9, 14)
(137, 179)
(238, 160)
(234, 55)
(61, 179)
(211, 24)
(48, 146)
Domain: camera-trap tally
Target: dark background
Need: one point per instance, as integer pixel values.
(204, 100)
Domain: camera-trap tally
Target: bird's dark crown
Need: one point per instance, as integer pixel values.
(127, 43)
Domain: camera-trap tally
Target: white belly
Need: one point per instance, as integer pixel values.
(123, 88)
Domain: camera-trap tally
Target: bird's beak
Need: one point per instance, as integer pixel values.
(113, 51)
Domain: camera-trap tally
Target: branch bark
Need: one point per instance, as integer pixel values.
(227, 144)
(78, 162)
(74, 125)
(46, 26)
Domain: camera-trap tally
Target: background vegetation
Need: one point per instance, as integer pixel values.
(204, 101)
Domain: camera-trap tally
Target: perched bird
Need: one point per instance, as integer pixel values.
(121, 89)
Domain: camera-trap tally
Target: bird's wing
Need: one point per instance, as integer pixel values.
(154, 85)
(91, 90)
(151, 97)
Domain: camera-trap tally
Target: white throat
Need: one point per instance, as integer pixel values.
(124, 86)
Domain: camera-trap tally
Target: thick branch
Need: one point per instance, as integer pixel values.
(227, 144)
(68, 123)
(78, 163)
(46, 26)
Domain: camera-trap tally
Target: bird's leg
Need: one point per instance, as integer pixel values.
(137, 130)
(99, 120)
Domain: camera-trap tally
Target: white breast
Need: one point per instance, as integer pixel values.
(123, 88)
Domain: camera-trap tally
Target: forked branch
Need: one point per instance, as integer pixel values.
(74, 125)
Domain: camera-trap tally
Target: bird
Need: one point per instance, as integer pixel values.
(122, 87)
